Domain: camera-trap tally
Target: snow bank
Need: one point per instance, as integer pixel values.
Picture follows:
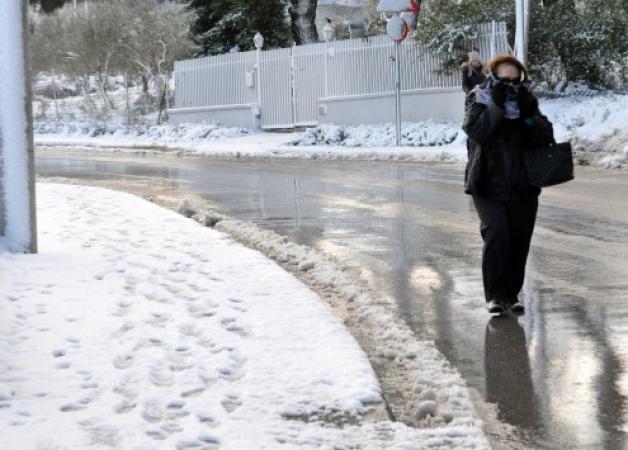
(138, 134)
(587, 117)
(137, 328)
(422, 134)
(416, 379)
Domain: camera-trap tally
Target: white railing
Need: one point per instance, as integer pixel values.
(294, 79)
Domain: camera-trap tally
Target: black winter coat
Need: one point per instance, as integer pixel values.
(495, 147)
(470, 81)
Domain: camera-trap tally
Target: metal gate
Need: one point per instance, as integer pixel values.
(276, 88)
(308, 82)
(291, 83)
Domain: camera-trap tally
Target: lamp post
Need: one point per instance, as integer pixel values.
(258, 40)
(328, 32)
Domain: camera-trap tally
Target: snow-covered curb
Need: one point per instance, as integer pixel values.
(136, 327)
(415, 376)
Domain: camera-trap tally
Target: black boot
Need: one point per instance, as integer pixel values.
(517, 308)
(495, 307)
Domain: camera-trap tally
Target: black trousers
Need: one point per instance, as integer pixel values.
(506, 229)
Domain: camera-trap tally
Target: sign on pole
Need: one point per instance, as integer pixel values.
(397, 27)
(17, 181)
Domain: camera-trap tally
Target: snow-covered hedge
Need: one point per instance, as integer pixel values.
(166, 133)
(422, 134)
(587, 117)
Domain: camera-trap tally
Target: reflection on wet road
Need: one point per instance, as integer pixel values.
(558, 375)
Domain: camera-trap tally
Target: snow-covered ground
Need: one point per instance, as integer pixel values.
(137, 328)
(583, 118)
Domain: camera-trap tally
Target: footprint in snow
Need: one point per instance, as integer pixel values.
(189, 329)
(89, 385)
(207, 419)
(160, 375)
(193, 392)
(124, 406)
(153, 412)
(70, 407)
(158, 435)
(123, 361)
(231, 402)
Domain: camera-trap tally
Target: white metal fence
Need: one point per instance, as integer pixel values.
(294, 79)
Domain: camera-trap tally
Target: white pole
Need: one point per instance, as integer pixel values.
(326, 68)
(258, 76)
(74, 3)
(18, 224)
(519, 49)
(526, 27)
(397, 96)
(293, 84)
(492, 39)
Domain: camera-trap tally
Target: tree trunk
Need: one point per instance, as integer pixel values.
(144, 84)
(302, 16)
(89, 102)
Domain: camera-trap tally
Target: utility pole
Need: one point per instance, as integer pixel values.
(522, 14)
(17, 176)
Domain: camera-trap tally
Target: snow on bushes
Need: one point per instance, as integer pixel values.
(429, 133)
(156, 133)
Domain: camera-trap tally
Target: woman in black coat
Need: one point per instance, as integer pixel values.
(502, 121)
(472, 72)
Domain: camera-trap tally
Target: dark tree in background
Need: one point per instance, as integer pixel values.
(569, 40)
(48, 6)
(303, 15)
(220, 26)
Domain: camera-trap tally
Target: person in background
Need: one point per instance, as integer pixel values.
(503, 121)
(472, 72)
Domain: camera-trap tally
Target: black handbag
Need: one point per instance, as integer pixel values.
(549, 166)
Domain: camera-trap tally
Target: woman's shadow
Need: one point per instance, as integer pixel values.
(508, 375)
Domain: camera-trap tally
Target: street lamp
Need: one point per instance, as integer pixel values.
(328, 32)
(258, 39)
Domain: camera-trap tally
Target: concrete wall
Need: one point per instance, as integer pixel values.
(416, 106)
(232, 115)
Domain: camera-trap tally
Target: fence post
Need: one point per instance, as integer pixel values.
(258, 41)
(293, 84)
(328, 33)
(397, 95)
(258, 75)
(326, 69)
(492, 39)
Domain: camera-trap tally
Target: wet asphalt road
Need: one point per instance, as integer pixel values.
(558, 376)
